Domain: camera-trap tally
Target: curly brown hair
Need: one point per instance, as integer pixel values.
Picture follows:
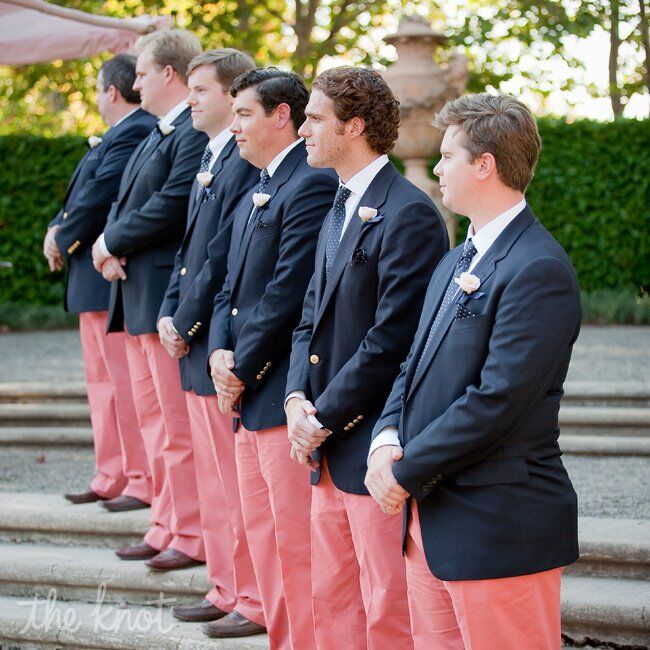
(360, 92)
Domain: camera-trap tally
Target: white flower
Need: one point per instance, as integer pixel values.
(366, 213)
(205, 178)
(260, 199)
(94, 141)
(467, 282)
(165, 128)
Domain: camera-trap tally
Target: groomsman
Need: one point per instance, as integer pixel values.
(184, 323)
(379, 245)
(136, 251)
(120, 458)
(270, 261)
(471, 426)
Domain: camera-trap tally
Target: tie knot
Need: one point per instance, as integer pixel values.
(342, 195)
(265, 177)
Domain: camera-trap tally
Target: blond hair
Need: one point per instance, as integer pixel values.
(227, 63)
(174, 47)
(500, 125)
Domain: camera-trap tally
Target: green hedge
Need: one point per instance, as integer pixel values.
(591, 189)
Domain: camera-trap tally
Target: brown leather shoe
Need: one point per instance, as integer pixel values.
(205, 611)
(231, 626)
(84, 497)
(170, 559)
(124, 503)
(139, 551)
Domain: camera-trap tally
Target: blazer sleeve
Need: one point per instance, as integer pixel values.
(164, 213)
(280, 305)
(414, 241)
(220, 337)
(87, 217)
(536, 321)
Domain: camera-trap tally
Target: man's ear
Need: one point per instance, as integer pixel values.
(113, 94)
(282, 115)
(169, 73)
(486, 166)
(356, 126)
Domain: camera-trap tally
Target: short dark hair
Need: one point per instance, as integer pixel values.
(361, 92)
(274, 87)
(120, 73)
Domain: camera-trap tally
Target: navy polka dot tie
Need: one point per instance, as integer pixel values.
(462, 265)
(154, 137)
(205, 166)
(335, 227)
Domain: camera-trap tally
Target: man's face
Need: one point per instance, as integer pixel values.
(254, 130)
(457, 173)
(103, 99)
(323, 132)
(211, 104)
(150, 83)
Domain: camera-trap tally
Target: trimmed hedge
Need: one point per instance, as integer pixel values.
(591, 189)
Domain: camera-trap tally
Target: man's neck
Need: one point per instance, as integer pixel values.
(173, 99)
(213, 132)
(493, 206)
(353, 161)
(121, 111)
(278, 146)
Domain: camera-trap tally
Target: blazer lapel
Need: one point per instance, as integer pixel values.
(374, 197)
(483, 270)
(280, 177)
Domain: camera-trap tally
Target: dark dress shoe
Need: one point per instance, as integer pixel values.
(140, 551)
(124, 503)
(84, 497)
(231, 626)
(171, 559)
(206, 611)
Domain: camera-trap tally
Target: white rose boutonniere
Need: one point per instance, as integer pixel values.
(467, 282)
(165, 128)
(205, 178)
(94, 141)
(260, 199)
(367, 214)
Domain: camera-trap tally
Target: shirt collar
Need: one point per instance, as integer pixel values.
(360, 182)
(272, 167)
(487, 235)
(172, 114)
(125, 116)
(218, 143)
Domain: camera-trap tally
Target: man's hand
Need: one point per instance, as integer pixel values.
(51, 250)
(305, 435)
(381, 483)
(303, 459)
(170, 339)
(99, 257)
(111, 268)
(228, 386)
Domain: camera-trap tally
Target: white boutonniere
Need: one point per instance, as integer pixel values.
(260, 199)
(205, 178)
(467, 282)
(165, 128)
(94, 141)
(367, 214)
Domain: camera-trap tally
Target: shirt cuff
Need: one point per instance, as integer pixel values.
(102, 246)
(300, 395)
(387, 436)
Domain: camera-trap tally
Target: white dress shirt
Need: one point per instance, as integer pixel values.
(482, 241)
(357, 185)
(168, 118)
(217, 145)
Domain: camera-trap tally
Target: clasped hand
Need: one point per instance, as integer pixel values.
(380, 481)
(170, 339)
(228, 386)
(304, 434)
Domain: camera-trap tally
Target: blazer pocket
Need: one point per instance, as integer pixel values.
(497, 471)
(477, 320)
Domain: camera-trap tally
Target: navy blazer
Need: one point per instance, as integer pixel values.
(357, 327)
(200, 265)
(269, 266)
(147, 223)
(92, 189)
(479, 419)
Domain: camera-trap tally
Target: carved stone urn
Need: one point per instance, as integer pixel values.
(422, 88)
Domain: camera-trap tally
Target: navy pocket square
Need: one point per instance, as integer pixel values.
(359, 256)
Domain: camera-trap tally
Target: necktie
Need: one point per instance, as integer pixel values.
(462, 265)
(154, 138)
(265, 177)
(205, 166)
(335, 227)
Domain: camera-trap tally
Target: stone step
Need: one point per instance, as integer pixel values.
(606, 610)
(598, 393)
(77, 574)
(50, 519)
(604, 421)
(613, 548)
(44, 414)
(605, 445)
(45, 436)
(41, 392)
(50, 624)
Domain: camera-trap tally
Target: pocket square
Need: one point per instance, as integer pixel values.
(359, 256)
(463, 313)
